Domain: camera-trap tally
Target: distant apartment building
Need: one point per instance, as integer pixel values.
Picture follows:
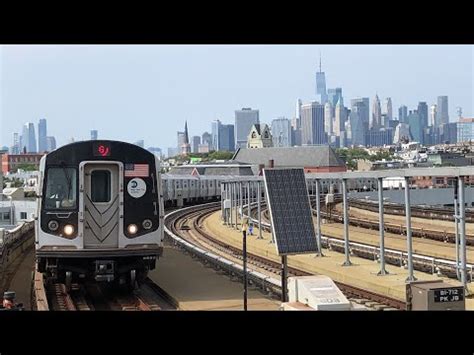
(203, 148)
(244, 120)
(465, 130)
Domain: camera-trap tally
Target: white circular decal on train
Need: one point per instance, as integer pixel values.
(136, 187)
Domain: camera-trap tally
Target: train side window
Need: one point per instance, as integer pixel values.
(100, 186)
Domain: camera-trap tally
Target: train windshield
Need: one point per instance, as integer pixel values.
(60, 189)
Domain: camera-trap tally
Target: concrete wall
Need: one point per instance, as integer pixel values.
(433, 197)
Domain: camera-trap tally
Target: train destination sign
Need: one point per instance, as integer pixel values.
(101, 150)
(454, 294)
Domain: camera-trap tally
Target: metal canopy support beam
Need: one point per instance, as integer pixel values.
(456, 228)
(222, 202)
(410, 277)
(347, 262)
(231, 193)
(236, 206)
(240, 199)
(462, 225)
(248, 199)
(381, 229)
(259, 202)
(318, 218)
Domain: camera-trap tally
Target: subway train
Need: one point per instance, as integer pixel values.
(100, 213)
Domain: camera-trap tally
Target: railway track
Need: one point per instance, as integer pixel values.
(424, 263)
(179, 225)
(98, 297)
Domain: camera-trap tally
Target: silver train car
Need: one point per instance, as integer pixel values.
(100, 213)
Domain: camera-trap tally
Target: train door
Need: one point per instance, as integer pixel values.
(101, 205)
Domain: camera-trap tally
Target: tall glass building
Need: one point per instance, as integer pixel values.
(312, 124)
(403, 114)
(28, 138)
(442, 113)
(94, 135)
(416, 130)
(244, 120)
(334, 95)
(361, 106)
(42, 134)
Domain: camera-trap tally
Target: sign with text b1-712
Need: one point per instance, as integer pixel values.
(454, 294)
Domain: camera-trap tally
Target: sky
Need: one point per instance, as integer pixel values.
(133, 92)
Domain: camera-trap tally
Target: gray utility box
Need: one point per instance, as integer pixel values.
(435, 296)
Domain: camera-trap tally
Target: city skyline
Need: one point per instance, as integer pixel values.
(41, 82)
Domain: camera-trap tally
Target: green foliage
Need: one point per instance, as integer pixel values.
(27, 167)
(351, 155)
(205, 157)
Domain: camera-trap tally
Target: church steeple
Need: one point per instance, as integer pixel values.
(186, 137)
(186, 147)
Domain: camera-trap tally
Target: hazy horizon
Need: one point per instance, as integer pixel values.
(133, 92)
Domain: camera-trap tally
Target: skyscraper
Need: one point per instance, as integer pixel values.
(357, 128)
(339, 118)
(334, 95)
(28, 138)
(328, 118)
(298, 109)
(416, 130)
(226, 137)
(312, 124)
(244, 120)
(42, 134)
(442, 112)
(376, 114)
(433, 110)
(403, 114)
(215, 127)
(281, 132)
(196, 140)
(423, 113)
(16, 144)
(181, 140)
(321, 84)
(206, 139)
(50, 143)
(387, 108)
(94, 135)
(362, 107)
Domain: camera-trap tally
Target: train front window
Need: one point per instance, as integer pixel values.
(100, 186)
(60, 189)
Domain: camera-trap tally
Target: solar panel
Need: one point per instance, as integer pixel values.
(290, 211)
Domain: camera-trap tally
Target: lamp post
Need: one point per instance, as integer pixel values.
(244, 259)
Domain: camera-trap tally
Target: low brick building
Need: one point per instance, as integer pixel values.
(11, 162)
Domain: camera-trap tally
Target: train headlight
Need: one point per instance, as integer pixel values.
(68, 229)
(147, 224)
(132, 229)
(53, 225)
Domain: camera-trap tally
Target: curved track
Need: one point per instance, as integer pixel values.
(188, 226)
